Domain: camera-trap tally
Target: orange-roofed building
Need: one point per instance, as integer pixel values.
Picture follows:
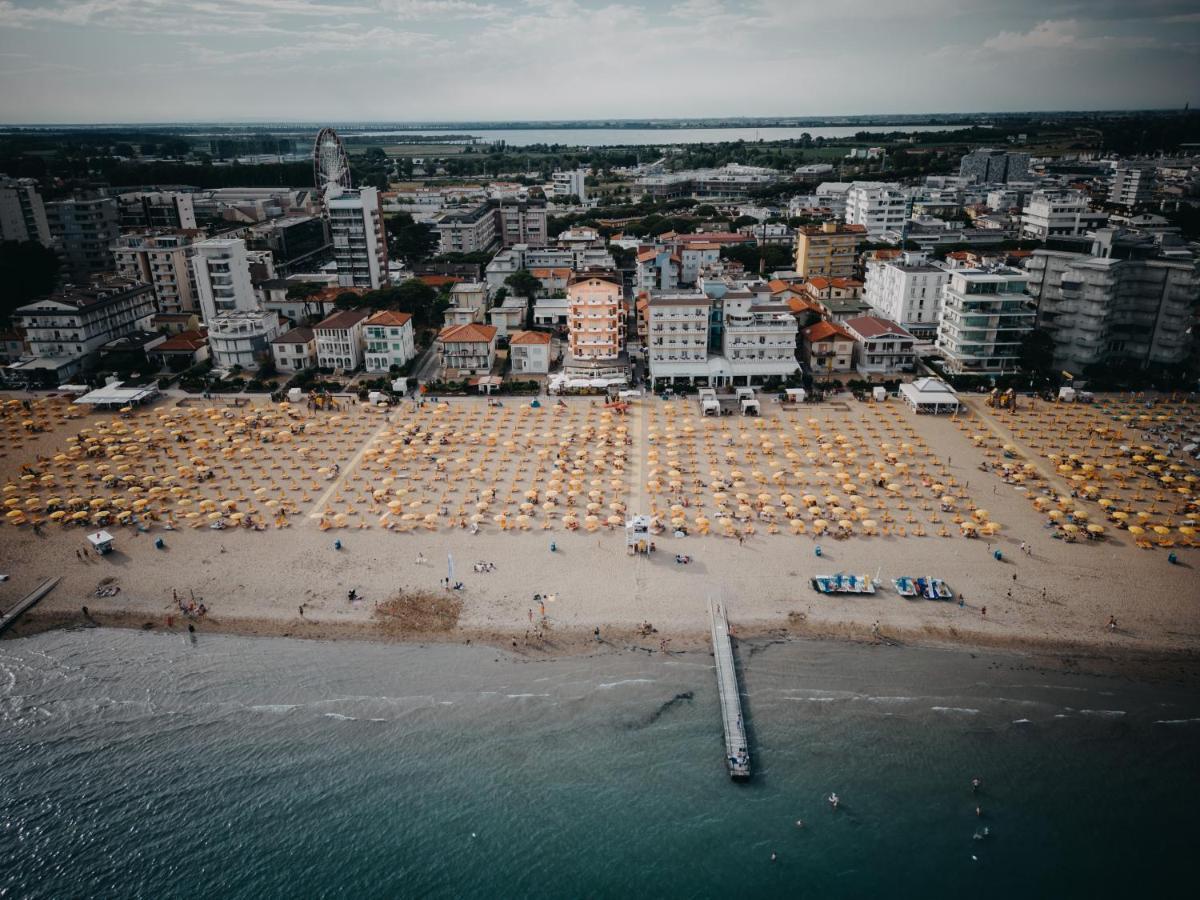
(596, 316)
(529, 352)
(828, 348)
(389, 341)
(467, 349)
(828, 249)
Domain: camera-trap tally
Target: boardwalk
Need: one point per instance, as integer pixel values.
(737, 752)
(22, 605)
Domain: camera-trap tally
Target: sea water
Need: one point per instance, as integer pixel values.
(152, 765)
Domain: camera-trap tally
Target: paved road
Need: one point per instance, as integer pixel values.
(427, 366)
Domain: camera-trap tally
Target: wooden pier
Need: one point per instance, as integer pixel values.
(737, 751)
(26, 602)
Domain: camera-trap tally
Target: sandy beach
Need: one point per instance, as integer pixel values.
(1060, 595)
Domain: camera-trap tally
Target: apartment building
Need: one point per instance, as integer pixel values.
(468, 303)
(156, 209)
(1132, 185)
(694, 257)
(595, 316)
(66, 330)
(242, 338)
(521, 222)
(985, 314)
(987, 166)
(677, 336)
(572, 183)
(340, 340)
(83, 229)
(907, 291)
(758, 338)
(467, 349)
(359, 242)
(297, 243)
(878, 207)
(467, 231)
(508, 261)
(22, 212)
(658, 269)
(162, 259)
(1120, 313)
(529, 352)
(221, 268)
(1052, 214)
(827, 249)
(389, 341)
(295, 350)
(828, 348)
(881, 347)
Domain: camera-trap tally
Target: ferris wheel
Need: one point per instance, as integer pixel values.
(331, 170)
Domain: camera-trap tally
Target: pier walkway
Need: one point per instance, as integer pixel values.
(737, 752)
(27, 601)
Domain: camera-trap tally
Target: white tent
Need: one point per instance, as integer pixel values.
(930, 395)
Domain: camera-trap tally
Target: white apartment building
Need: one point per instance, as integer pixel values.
(156, 209)
(881, 346)
(340, 340)
(1052, 214)
(83, 229)
(1132, 185)
(907, 291)
(65, 331)
(878, 207)
(581, 237)
(162, 259)
(677, 337)
(22, 212)
(359, 242)
(694, 258)
(985, 314)
(242, 337)
(570, 184)
(832, 195)
(529, 352)
(575, 257)
(595, 316)
(758, 339)
(222, 273)
(389, 340)
(1121, 313)
(468, 230)
(658, 269)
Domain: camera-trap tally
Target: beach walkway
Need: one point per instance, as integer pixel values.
(27, 601)
(315, 511)
(737, 753)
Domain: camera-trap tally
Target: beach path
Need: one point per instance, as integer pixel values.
(336, 484)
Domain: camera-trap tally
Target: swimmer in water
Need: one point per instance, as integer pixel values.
(834, 800)
(773, 856)
(976, 783)
(799, 823)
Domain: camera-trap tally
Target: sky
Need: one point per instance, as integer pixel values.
(87, 61)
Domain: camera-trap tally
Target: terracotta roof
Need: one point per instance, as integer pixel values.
(301, 335)
(799, 305)
(713, 237)
(647, 255)
(439, 280)
(529, 337)
(778, 284)
(824, 331)
(702, 245)
(960, 254)
(343, 320)
(184, 341)
(550, 273)
(817, 230)
(874, 326)
(472, 333)
(389, 317)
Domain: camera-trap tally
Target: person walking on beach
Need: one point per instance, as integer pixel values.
(983, 611)
(1112, 623)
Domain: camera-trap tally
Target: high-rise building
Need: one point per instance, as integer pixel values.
(1132, 185)
(1052, 214)
(240, 331)
(1104, 310)
(22, 213)
(827, 249)
(907, 291)
(595, 316)
(877, 207)
(162, 259)
(988, 166)
(359, 242)
(985, 314)
(156, 209)
(510, 222)
(84, 229)
(572, 183)
(521, 222)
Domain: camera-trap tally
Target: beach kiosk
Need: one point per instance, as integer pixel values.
(637, 535)
(930, 395)
(794, 395)
(101, 542)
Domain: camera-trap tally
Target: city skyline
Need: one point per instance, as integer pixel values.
(461, 60)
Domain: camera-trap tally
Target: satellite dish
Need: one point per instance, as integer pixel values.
(331, 169)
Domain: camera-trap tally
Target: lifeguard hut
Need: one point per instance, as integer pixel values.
(101, 542)
(637, 534)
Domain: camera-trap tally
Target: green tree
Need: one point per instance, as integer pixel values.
(1036, 354)
(28, 271)
(523, 284)
(409, 240)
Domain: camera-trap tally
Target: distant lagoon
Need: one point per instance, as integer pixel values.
(619, 137)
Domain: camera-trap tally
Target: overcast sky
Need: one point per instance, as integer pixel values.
(446, 60)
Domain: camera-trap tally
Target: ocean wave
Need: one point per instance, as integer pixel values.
(1103, 713)
(518, 696)
(1022, 722)
(813, 699)
(1175, 721)
(967, 711)
(612, 684)
(889, 699)
(340, 716)
(274, 707)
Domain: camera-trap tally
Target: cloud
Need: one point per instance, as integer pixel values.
(1044, 35)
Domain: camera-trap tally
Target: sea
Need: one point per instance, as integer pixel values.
(143, 764)
(621, 137)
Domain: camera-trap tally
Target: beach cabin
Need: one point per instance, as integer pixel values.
(101, 542)
(748, 402)
(709, 405)
(637, 534)
(794, 395)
